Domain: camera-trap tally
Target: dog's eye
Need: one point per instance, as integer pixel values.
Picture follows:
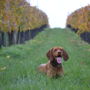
(55, 49)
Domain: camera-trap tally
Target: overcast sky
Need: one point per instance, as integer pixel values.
(58, 10)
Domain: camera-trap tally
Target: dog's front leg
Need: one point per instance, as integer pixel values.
(50, 74)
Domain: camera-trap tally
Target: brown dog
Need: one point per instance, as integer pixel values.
(54, 66)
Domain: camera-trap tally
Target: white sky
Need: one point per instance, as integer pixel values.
(58, 10)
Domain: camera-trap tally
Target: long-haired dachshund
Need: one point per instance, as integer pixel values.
(54, 66)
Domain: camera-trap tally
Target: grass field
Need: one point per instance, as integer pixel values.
(18, 64)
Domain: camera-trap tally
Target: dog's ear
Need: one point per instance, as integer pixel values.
(65, 55)
(49, 54)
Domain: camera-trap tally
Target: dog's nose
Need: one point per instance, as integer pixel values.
(59, 52)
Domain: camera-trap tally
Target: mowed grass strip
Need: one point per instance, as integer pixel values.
(18, 64)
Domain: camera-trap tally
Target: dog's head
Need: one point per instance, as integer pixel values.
(56, 54)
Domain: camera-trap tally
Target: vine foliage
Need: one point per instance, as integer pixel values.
(19, 15)
(80, 19)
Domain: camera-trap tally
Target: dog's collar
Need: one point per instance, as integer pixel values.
(55, 64)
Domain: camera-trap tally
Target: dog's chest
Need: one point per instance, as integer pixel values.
(55, 70)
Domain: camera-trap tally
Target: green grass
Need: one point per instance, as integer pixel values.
(18, 64)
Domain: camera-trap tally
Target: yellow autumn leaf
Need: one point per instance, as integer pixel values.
(3, 68)
(8, 56)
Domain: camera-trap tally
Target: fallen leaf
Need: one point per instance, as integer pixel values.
(8, 56)
(3, 68)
